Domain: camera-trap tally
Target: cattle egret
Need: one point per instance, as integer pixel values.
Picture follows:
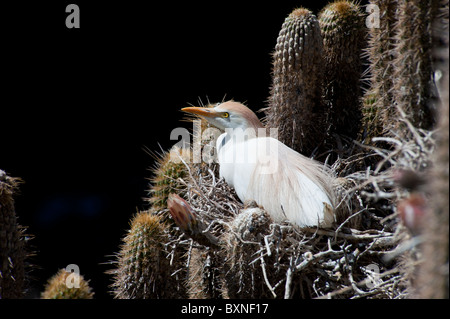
(288, 185)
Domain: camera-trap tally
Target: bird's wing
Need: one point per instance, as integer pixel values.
(287, 184)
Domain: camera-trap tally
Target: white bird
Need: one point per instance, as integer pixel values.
(288, 185)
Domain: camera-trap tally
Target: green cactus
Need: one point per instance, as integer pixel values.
(296, 104)
(143, 269)
(378, 98)
(12, 242)
(57, 288)
(343, 31)
(414, 88)
(166, 173)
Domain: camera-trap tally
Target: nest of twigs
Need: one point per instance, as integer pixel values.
(368, 253)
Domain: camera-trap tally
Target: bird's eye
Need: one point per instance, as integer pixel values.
(225, 114)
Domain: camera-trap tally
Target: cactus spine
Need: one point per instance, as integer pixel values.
(343, 31)
(57, 287)
(296, 104)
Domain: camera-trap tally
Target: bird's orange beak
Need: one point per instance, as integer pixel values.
(202, 111)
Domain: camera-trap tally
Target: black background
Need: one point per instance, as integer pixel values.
(79, 105)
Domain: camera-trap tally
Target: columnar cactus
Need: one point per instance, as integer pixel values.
(414, 88)
(379, 51)
(343, 31)
(57, 287)
(12, 242)
(168, 169)
(296, 104)
(143, 269)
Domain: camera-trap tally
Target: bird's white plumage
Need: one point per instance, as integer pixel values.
(278, 178)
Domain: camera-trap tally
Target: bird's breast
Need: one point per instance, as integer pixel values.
(276, 177)
(241, 159)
